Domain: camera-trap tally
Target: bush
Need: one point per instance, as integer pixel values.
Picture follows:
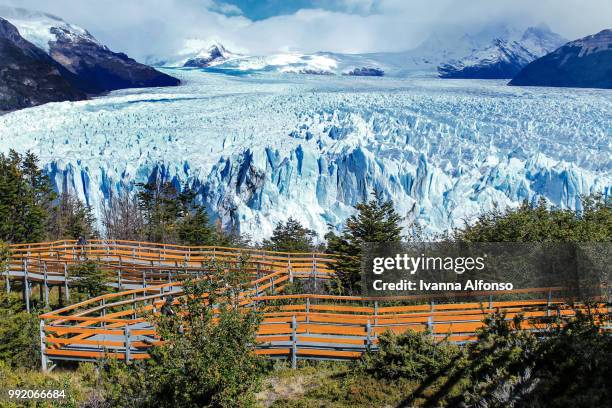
(19, 333)
(409, 355)
(206, 358)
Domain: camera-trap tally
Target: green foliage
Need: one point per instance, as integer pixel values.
(4, 255)
(410, 355)
(194, 229)
(173, 216)
(92, 278)
(375, 221)
(290, 237)
(71, 219)
(573, 367)
(19, 333)
(25, 198)
(75, 384)
(541, 223)
(207, 357)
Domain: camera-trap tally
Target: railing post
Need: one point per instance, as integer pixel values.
(490, 302)
(119, 274)
(368, 335)
(46, 281)
(432, 306)
(67, 294)
(430, 325)
(376, 313)
(548, 303)
(289, 269)
(8, 280)
(293, 342)
(314, 270)
(133, 306)
(26, 285)
(43, 347)
(308, 310)
(103, 304)
(127, 343)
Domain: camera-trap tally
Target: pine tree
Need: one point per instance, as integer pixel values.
(26, 196)
(291, 237)
(195, 229)
(544, 223)
(173, 216)
(161, 208)
(376, 221)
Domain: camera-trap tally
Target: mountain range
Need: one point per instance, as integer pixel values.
(88, 66)
(504, 57)
(28, 76)
(584, 63)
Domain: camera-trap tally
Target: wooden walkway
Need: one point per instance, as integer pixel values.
(299, 326)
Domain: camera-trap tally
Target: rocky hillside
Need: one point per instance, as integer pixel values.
(584, 63)
(28, 76)
(87, 64)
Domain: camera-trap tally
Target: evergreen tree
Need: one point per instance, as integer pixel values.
(25, 198)
(376, 221)
(71, 219)
(173, 216)
(195, 229)
(161, 208)
(291, 237)
(543, 223)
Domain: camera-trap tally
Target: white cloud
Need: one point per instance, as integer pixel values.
(140, 27)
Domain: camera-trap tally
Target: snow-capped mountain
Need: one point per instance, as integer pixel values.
(28, 76)
(261, 148)
(504, 57)
(584, 63)
(320, 63)
(94, 68)
(211, 56)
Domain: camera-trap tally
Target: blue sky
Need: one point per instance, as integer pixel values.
(143, 28)
(262, 9)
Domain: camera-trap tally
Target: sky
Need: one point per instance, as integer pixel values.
(160, 27)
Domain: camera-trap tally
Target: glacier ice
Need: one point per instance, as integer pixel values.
(260, 148)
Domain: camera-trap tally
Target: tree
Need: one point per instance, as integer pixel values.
(71, 219)
(543, 223)
(207, 356)
(173, 216)
(92, 279)
(26, 196)
(291, 237)
(161, 208)
(194, 225)
(376, 221)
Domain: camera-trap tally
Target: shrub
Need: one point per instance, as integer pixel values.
(206, 358)
(19, 333)
(408, 355)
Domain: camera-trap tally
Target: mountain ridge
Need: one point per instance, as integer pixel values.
(28, 76)
(582, 63)
(503, 58)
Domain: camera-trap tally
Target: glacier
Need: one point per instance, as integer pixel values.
(262, 147)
